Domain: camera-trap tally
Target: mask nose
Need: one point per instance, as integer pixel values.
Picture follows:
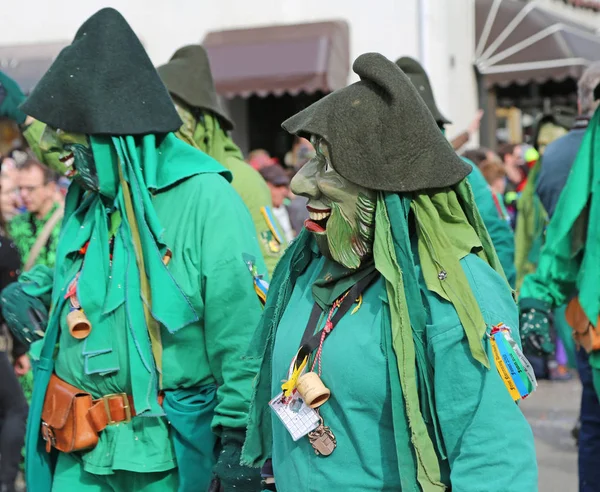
(304, 182)
(49, 141)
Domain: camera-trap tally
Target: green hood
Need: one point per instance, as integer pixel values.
(417, 75)
(381, 134)
(188, 77)
(103, 84)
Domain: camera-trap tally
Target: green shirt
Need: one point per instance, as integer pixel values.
(359, 413)
(481, 428)
(209, 242)
(24, 230)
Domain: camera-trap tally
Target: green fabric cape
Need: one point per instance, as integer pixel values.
(404, 328)
(149, 165)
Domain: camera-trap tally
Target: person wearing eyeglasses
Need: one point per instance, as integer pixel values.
(35, 232)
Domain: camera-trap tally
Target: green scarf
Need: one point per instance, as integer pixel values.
(412, 397)
(148, 165)
(335, 279)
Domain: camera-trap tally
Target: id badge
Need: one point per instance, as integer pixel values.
(297, 417)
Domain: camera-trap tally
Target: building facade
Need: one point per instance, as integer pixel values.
(439, 33)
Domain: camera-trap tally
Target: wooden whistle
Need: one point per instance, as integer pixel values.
(79, 326)
(312, 390)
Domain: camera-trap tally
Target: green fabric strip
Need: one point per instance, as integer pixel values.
(445, 237)
(467, 201)
(427, 470)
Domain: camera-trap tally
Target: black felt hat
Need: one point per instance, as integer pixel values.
(188, 77)
(381, 134)
(417, 75)
(103, 84)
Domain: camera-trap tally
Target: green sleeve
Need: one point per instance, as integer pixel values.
(231, 306)
(556, 275)
(486, 437)
(256, 195)
(497, 225)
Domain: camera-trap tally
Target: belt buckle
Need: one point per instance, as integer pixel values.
(126, 407)
(47, 434)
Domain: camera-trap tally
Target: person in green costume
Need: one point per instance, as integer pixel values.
(158, 253)
(568, 267)
(493, 218)
(206, 126)
(389, 297)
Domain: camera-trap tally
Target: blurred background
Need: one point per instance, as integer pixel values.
(515, 59)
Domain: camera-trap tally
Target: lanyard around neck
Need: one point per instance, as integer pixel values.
(311, 340)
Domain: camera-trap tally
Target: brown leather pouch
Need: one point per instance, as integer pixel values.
(65, 422)
(585, 334)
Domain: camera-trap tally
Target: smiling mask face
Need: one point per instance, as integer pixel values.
(342, 214)
(74, 153)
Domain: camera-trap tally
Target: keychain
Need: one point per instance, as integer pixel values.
(322, 439)
(514, 368)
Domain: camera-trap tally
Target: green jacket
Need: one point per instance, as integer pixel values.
(209, 264)
(570, 257)
(457, 397)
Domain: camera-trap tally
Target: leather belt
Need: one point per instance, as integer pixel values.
(111, 409)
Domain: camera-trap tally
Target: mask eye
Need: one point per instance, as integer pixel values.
(323, 152)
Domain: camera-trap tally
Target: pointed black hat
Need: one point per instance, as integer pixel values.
(103, 84)
(381, 134)
(188, 77)
(417, 75)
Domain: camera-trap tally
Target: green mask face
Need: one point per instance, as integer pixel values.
(75, 153)
(342, 214)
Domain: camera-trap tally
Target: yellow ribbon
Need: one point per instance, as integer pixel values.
(290, 384)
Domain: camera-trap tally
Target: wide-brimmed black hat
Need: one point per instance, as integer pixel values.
(103, 84)
(380, 133)
(188, 77)
(417, 75)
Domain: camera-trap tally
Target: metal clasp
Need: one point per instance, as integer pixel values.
(47, 434)
(126, 407)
